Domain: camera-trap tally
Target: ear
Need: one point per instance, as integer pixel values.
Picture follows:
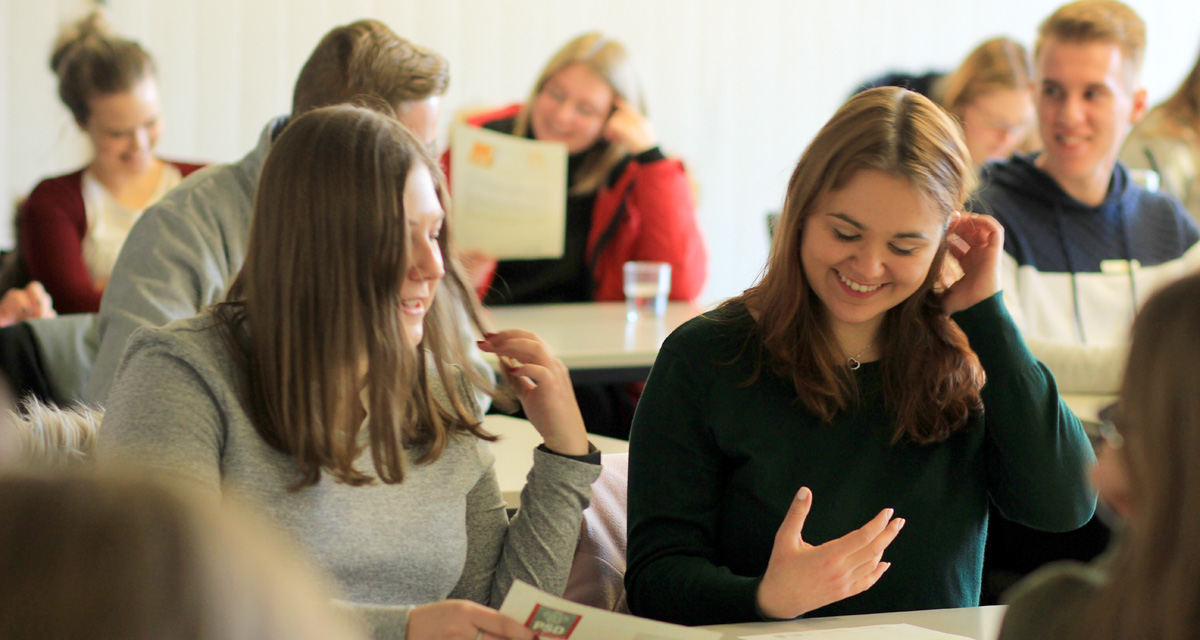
(1139, 106)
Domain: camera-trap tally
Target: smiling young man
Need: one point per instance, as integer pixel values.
(1084, 244)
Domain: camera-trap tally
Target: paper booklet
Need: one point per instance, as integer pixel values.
(874, 632)
(554, 618)
(510, 194)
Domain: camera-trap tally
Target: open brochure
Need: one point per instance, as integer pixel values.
(554, 618)
(510, 194)
(873, 632)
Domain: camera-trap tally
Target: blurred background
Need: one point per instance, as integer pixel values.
(735, 88)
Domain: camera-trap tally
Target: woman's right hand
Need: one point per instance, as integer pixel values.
(30, 303)
(801, 577)
(543, 385)
(463, 620)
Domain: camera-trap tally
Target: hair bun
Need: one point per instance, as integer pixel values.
(71, 36)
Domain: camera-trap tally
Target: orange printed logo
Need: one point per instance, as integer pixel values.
(483, 154)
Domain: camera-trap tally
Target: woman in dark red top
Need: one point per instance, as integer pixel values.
(73, 226)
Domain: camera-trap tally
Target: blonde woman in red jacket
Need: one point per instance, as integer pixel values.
(626, 200)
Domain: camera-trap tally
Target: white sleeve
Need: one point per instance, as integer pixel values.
(1077, 368)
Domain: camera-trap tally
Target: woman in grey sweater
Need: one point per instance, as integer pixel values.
(328, 389)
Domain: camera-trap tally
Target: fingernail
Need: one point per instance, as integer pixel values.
(488, 335)
(482, 343)
(886, 565)
(901, 523)
(803, 494)
(889, 511)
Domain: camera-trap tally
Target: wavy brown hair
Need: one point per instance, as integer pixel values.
(931, 378)
(1153, 589)
(367, 61)
(313, 316)
(91, 61)
(609, 60)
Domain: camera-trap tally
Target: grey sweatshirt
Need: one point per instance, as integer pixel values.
(442, 533)
(182, 255)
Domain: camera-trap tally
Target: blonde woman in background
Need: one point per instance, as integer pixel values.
(72, 226)
(989, 94)
(1167, 141)
(626, 200)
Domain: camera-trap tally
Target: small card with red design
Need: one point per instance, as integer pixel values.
(554, 618)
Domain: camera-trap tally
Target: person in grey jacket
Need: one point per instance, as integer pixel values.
(331, 389)
(183, 252)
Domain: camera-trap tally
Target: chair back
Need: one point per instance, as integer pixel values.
(597, 576)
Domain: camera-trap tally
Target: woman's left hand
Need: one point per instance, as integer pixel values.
(630, 129)
(978, 248)
(543, 385)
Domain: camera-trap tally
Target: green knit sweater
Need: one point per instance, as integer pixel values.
(714, 465)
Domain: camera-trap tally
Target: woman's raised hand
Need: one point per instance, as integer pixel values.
(463, 620)
(978, 249)
(629, 128)
(801, 577)
(543, 385)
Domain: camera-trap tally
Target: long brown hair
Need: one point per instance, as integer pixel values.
(1154, 586)
(314, 312)
(609, 60)
(90, 61)
(931, 378)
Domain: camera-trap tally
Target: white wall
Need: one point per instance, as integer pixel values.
(737, 88)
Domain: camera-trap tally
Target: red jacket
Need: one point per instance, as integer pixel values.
(658, 223)
(53, 224)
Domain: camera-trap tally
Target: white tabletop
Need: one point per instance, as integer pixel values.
(595, 335)
(978, 623)
(514, 452)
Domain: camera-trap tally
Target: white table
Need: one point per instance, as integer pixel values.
(514, 452)
(979, 623)
(594, 339)
(1087, 408)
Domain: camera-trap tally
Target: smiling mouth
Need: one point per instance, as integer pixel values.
(413, 306)
(1070, 141)
(856, 287)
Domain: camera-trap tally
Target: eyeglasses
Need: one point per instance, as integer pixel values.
(1108, 428)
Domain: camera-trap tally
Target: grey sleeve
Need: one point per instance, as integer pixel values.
(539, 544)
(385, 622)
(163, 417)
(172, 264)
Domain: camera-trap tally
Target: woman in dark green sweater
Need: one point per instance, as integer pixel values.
(863, 374)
